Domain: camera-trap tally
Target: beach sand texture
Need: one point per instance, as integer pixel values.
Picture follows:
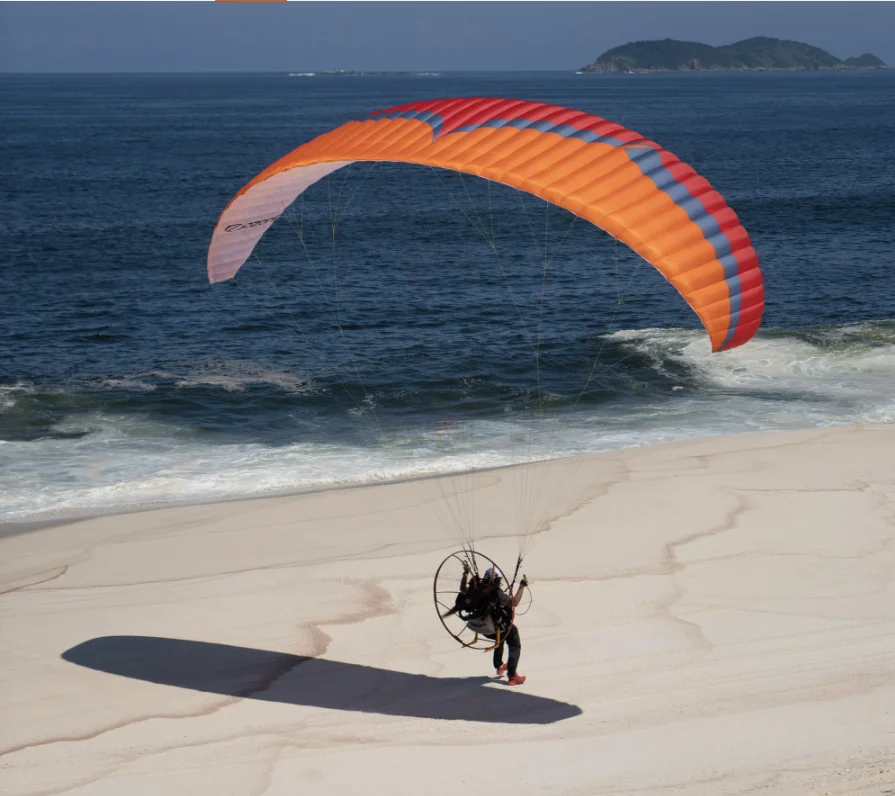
(714, 616)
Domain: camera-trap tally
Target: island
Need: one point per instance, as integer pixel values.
(759, 54)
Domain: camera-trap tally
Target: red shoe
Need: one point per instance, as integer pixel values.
(517, 680)
(501, 669)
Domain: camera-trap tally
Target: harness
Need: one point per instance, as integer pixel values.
(483, 599)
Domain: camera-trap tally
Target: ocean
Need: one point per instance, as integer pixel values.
(403, 322)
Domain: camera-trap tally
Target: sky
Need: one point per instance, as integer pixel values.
(439, 36)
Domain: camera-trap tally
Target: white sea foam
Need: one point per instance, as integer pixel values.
(10, 393)
(108, 461)
(846, 382)
(128, 384)
(235, 376)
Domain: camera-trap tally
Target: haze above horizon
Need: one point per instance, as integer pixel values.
(249, 37)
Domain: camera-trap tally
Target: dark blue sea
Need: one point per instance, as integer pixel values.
(401, 321)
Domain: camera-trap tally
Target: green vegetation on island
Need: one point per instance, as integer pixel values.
(757, 54)
(865, 61)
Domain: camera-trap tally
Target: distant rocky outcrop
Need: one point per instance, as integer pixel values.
(757, 54)
(865, 61)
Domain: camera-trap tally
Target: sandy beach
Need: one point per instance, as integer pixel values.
(714, 616)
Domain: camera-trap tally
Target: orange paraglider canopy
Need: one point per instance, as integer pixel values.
(627, 185)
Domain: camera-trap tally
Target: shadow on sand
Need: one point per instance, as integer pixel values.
(315, 682)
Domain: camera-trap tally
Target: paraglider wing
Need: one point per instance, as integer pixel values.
(629, 186)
